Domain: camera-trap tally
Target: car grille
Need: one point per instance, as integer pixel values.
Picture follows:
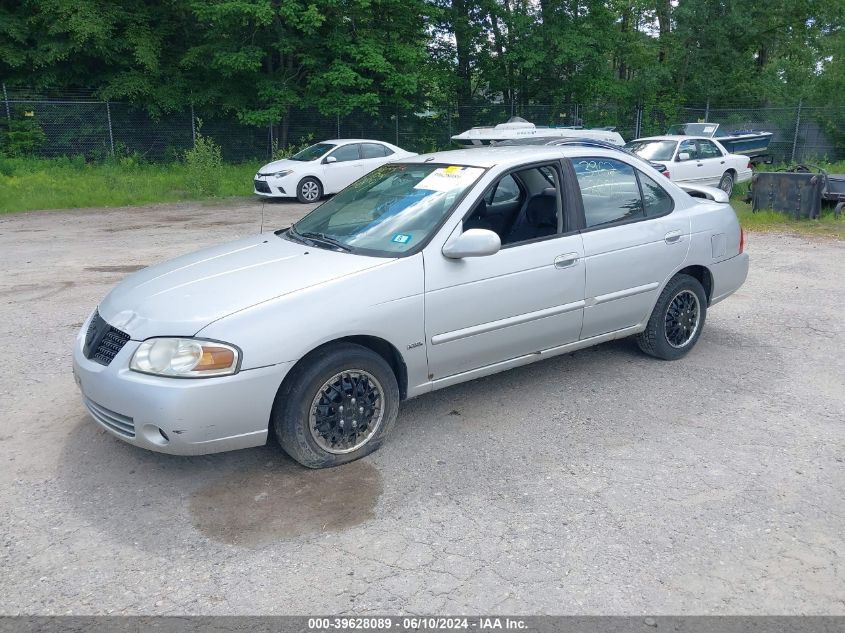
(102, 341)
(261, 186)
(120, 424)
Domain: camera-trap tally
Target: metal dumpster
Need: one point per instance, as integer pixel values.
(797, 193)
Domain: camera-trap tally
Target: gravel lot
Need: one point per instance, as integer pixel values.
(599, 482)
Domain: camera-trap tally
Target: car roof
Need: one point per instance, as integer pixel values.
(515, 155)
(493, 156)
(344, 141)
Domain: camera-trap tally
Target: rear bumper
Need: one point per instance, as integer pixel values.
(743, 175)
(178, 416)
(728, 276)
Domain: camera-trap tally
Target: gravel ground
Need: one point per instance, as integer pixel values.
(598, 482)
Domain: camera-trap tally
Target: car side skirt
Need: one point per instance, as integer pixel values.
(495, 368)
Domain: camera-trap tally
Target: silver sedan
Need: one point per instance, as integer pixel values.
(420, 275)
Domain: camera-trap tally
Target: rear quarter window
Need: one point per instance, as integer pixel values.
(656, 200)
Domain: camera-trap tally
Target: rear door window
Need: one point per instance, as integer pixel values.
(609, 190)
(708, 149)
(346, 153)
(373, 150)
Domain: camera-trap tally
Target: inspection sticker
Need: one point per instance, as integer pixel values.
(449, 178)
(401, 238)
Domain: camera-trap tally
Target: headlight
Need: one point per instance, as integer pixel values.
(185, 358)
(282, 174)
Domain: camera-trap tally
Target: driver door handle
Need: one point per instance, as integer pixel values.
(565, 261)
(672, 237)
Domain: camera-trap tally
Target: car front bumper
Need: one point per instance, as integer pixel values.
(272, 187)
(180, 416)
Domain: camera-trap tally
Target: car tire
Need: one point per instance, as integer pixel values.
(726, 184)
(334, 382)
(309, 190)
(677, 319)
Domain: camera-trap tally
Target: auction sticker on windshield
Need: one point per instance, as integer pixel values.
(448, 178)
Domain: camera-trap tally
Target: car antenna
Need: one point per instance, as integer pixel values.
(261, 230)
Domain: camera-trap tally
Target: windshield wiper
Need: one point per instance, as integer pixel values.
(327, 239)
(294, 235)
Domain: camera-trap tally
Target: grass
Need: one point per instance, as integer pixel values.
(63, 183)
(776, 222)
(772, 221)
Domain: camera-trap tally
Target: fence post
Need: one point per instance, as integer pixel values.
(449, 124)
(193, 128)
(111, 136)
(6, 99)
(338, 125)
(397, 127)
(797, 125)
(638, 121)
(707, 112)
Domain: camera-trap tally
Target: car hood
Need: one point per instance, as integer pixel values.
(182, 296)
(280, 165)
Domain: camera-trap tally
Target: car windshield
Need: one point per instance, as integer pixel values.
(389, 211)
(314, 152)
(652, 150)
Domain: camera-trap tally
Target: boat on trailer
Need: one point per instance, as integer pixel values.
(518, 128)
(749, 142)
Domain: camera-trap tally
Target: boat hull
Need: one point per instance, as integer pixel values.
(746, 143)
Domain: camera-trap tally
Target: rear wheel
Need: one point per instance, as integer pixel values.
(309, 190)
(336, 407)
(677, 319)
(726, 184)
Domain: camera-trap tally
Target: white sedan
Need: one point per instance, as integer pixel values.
(694, 159)
(324, 168)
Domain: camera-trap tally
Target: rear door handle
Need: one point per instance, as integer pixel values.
(673, 237)
(565, 261)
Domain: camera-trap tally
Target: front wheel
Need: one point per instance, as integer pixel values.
(726, 184)
(677, 319)
(309, 190)
(337, 406)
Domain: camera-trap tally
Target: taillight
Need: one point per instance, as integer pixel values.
(665, 173)
(741, 241)
(750, 165)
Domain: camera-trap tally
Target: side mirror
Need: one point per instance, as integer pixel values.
(683, 156)
(472, 243)
(329, 160)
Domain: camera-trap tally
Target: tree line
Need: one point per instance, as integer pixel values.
(258, 59)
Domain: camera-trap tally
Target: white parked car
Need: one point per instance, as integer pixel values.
(324, 168)
(694, 159)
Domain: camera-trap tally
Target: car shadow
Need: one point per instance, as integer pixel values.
(247, 497)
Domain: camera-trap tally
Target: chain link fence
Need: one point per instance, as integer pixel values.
(73, 125)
